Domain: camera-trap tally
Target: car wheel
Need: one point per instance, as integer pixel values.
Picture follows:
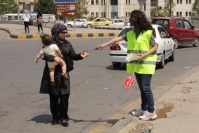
(172, 57)
(89, 26)
(106, 25)
(162, 62)
(116, 64)
(176, 43)
(196, 42)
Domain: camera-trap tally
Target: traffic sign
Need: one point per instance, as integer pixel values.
(65, 1)
(129, 81)
(66, 9)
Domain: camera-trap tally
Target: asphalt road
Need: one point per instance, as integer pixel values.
(97, 92)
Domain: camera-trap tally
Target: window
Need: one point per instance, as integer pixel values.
(177, 1)
(177, 13)
(189, 1)
(127, 2)
(187, 25)
(114, 2)
(92, 14)
(97, 15)
(124, 31)
(162, 32)
(179, 23)
(180, 1)
(186, 13)
(186, 1)
(102, 14)
(180, 14)
(92, 2)
(189, 13)
(145, 7)
(97, 3)
(126, 14)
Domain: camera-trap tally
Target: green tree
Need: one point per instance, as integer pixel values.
(45, 6)
(163, 12)
(158, 12)
(167, 7)
(195, 8)
(8, 6)
(81, 8)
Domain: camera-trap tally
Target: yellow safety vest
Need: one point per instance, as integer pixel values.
(141, 45)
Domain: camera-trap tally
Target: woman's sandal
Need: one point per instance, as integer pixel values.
(64, 122)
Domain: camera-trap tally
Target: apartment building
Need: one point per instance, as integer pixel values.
(29, 3)
(115, 8)
(122, 8)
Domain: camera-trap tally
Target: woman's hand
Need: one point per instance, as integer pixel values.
(141, 56)
(84, 54)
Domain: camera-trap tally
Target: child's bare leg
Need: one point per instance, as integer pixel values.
(52, 74)
(64, 68)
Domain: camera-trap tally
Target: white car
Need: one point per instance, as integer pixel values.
(165, 50)
(118, 22)
(78, 23)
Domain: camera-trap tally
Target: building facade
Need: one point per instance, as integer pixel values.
(122, 8)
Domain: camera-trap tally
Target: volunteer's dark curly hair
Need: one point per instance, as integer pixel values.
(139, 21)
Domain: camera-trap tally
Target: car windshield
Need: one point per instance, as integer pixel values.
(124, 31)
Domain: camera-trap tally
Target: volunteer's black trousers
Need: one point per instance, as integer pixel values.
(59, 106)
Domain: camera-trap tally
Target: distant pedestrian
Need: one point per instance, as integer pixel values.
(141, 43)
(26, 19)
(39, 22)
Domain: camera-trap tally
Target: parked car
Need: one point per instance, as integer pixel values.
(97, 22)
(166, 48)
(180, 29)
(118, 22)
(77, 22)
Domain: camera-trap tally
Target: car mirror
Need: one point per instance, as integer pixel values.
(192, 27)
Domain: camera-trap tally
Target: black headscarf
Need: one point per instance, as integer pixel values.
(57, 28)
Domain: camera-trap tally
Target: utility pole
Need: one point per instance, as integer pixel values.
(107, 6)
(18, 8)
(170, 8)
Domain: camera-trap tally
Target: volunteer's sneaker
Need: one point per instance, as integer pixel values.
(138, 112)
(148, 116)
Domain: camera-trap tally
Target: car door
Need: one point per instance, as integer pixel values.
(96, 22)
(166, 41)
(181, 32)
(190, 33)
(102, 22)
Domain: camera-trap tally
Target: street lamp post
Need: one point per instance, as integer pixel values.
(4, 7)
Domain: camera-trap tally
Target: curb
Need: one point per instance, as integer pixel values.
(108, 28)
(73, 35)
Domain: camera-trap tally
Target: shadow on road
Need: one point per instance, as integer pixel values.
(43, 118)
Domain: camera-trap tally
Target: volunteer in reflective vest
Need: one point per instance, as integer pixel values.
(141, 51)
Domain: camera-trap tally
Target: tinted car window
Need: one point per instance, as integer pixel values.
(187, 25)
(162, 22)
(162, 32)
(179, 23)
(124, 31)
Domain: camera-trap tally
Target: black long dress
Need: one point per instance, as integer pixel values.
(61, 84)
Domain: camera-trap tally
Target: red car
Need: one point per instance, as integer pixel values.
(180, 29)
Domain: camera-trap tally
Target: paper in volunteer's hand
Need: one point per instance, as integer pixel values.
(131, 57)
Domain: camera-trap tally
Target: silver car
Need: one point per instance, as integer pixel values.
(165, 50)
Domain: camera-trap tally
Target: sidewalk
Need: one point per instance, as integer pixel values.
(17, 31)
(177, 110)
